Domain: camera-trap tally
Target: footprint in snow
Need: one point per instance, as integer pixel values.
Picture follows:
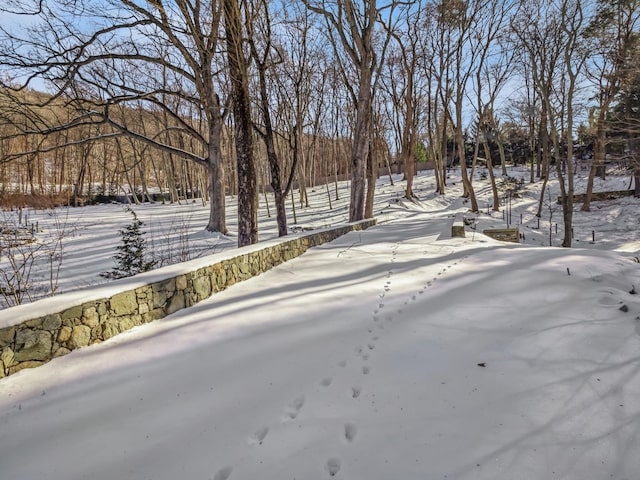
(375, 338)
(355, 392)
(223, 473)
(333, 466)
(325, 382)
(366, 370)
(381, 305)
(342, 363)
(258, 436)
(371, 346)
(350, 431)
(293, 409)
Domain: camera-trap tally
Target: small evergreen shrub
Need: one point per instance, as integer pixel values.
(130, 258)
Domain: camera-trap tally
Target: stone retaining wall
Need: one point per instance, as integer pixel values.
(36, 341)
(601, 196)
(503, 234)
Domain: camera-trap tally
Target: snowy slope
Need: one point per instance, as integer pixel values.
(393, 353)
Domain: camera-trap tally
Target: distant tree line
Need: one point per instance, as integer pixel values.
(216, 97)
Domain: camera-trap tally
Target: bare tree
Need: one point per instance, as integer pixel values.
(243, 125)
(613, 32)
(351, 28)
(103, 54)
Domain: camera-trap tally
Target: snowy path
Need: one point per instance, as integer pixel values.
(394, 353)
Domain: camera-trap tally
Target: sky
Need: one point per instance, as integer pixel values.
(396, 352)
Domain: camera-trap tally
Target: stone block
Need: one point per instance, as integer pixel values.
(110, 328)
(7, 336)
(80, 337)
(127, 323)
(457, 229)
(90, 317)
(60, 352)
(33, 345)
(51, 323)
(181, 282)
(72, 314)
(175, 303)
(7, 357)
(124, 303)
(202, 287)
(24, 365)
(64, 334)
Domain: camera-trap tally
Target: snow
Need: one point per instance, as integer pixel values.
(394, 352)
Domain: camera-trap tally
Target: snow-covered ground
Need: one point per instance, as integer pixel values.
(397, 352)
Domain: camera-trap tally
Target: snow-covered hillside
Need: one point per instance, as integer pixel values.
(397, 352)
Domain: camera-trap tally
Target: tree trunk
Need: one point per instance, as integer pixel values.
(217, 202)
(361, 140)
(247, 188)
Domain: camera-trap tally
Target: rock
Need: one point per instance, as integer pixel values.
(181, 282)
(80, 337)
(64, 334)
(143, 308)
(7, 335)
(624, 308)
(110, 328)
(23, 365)
(124, 303)
(51, 323)
(60, 352)
(2, 370)
(90, 317)
(202, 287)
(72, 314)
(7, 357)
(33, 345)
(175, 303)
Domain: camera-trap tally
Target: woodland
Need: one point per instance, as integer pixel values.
(168, 100)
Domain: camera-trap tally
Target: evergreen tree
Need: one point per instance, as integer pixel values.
(130, 259)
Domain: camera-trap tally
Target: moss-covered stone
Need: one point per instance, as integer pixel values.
(7, 336)
(124, 303)
(33, 345)
(72, 314)
(51, 323)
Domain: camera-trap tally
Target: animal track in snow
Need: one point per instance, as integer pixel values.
(293, 409)
(258, 436)
(342, 363)
(375, 338)
(381, 305)
(325, 382)
(333, 466)
(350, 431)
(223, 473)
(366, 370)
(371, 346)
(355, 392)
